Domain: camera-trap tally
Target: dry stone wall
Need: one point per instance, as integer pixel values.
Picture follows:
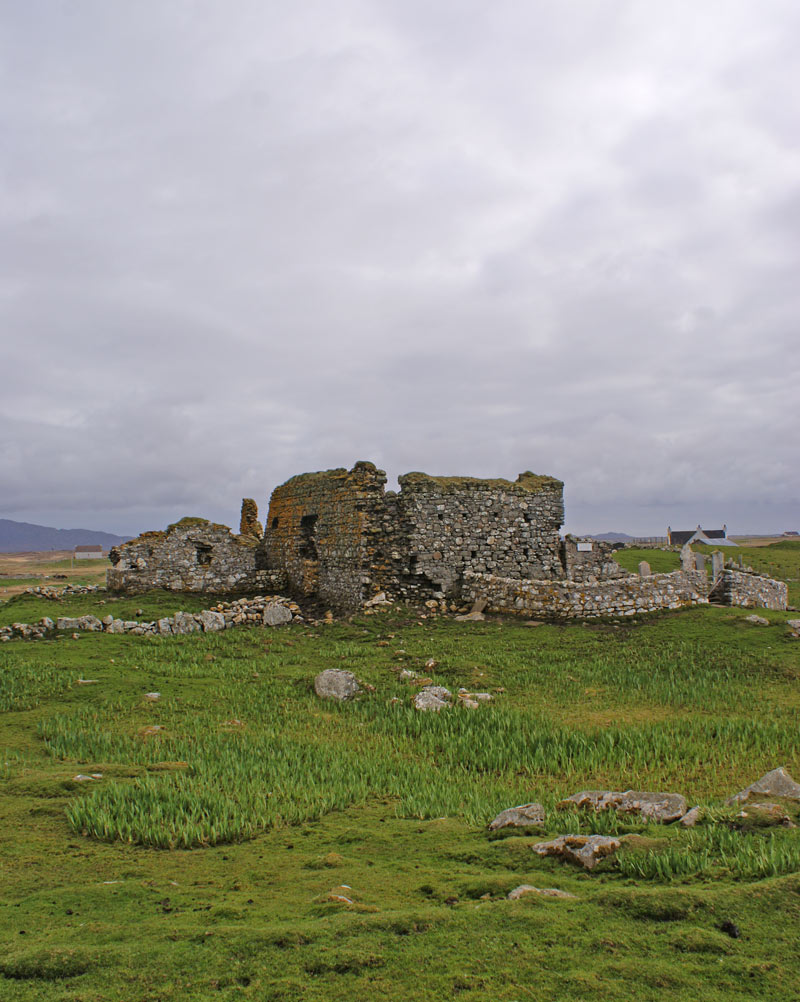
(750, 591)
(263, 610)
(624, 596)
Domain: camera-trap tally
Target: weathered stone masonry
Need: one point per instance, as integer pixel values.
(192, 555)
(339, 538)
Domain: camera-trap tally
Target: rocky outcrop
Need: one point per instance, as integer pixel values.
(523, 816)
(660, 807)
(777, 783)
(586, 850)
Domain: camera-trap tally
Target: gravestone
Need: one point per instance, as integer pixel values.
(687, 558)
(700, 561)
(644, 569)
(717, 564)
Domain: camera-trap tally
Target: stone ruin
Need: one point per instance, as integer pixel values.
(338, 538)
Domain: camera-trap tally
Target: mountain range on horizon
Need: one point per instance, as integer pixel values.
(22, 537)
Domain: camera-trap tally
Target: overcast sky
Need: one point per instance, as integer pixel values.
(240, 240)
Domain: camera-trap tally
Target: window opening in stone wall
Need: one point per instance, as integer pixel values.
(203, 554)
(473, 554)
(412, 565)
(275, 522)
(308, 546)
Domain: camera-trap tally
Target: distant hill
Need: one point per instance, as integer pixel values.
(19, 537)
(613, 537)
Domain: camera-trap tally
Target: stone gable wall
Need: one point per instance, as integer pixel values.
(624, 596)
(750, 590)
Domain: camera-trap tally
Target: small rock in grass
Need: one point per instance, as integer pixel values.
(334, 683)
(523, 816)
(432, 697)
(85, 681)
(756, 620)
(587, 850)
(690, 818)
(152, 696)
(777, 783)
(544, 892)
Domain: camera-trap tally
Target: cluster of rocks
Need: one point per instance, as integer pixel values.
(273, 610)
(341, 685)
(436, 698)
(662, 808)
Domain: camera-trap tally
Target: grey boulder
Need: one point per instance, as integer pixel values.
(333, 683)
(276, 614)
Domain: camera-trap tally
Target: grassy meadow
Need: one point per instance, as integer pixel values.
(246, 840)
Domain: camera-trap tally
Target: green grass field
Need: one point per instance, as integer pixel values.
(199, 866)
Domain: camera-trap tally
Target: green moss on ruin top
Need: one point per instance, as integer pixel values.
(531, 482)
(187, 522)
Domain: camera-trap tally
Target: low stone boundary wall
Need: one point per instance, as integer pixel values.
(750, 591)
(626, 596)
(265, 611)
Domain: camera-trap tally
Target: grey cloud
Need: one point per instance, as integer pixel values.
(240, 242)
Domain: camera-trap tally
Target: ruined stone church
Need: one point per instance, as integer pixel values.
(338, 538)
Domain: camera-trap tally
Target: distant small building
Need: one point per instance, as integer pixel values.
(791, 532)
(713, 537)
(88, 553)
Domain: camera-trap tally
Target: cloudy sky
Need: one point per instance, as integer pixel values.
(244, 239)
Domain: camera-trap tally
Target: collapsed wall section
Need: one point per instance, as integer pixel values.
(192, 555)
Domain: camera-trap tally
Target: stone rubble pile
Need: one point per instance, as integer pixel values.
(47, 591)
(262, 610)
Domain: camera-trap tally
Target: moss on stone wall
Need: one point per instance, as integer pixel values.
(531, 482)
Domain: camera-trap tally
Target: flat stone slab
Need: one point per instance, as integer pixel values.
(542, 892)
(660, 807)
(777, 783)
(523, 816)
(586, 850)
(756, 620)
(334, 683)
